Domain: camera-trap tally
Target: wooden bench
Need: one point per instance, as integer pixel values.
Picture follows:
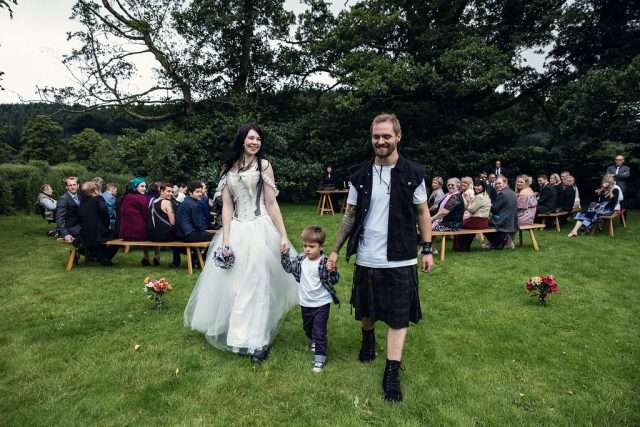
(127, 243)
(443, 234)
(556, 216)
(609, 220)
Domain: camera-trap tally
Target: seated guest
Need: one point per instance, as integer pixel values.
(576, 201)
(554, 179)
(206, 205)
(94, 221)
(110, 199)
(466, 188)
(451, 209)
(181, 193)
(566, 195)
(547, 197)
(67, 211)
(328, 180)
(504, 216)
(161, 226)
(491, 187)
(99, 182)
(527, 201)
(479, 210)
(133, 216)
(46, 203)
(437, 194)
(191, 224)
(607, 197)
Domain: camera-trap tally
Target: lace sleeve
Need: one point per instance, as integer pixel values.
(221, 184)
(269, 181)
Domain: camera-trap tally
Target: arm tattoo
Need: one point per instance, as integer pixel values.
(348, 221)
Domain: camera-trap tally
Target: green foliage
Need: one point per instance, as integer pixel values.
(42, 140)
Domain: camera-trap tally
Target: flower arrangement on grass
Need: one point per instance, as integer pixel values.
(541, 287)
(155, 290)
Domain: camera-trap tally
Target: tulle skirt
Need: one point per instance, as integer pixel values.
(240, 309)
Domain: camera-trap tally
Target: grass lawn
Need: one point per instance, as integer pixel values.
(484, 355)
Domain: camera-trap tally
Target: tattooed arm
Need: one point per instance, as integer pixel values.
(348, 220)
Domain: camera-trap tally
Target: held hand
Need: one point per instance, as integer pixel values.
(68, 238)
(284, 246)
(332, 260)
(427, 263)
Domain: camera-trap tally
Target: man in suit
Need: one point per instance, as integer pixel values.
(547, 197)
(191, 223)
(499, 169)
(621, 172)
(504, 215)
(67, 211)
(491, 187)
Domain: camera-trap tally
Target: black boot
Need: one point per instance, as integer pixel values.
(391, 381)
(368, 348)
(260, 356)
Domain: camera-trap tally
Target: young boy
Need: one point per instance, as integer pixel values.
(316, 290)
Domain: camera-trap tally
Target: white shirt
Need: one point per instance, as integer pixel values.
(311, 292)
(372, 249)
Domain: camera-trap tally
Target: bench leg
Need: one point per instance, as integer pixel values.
(623, 220)
(520, 238)
(319, 206)
(557, 224)
(189, 263)
(533, 240)
(443, 246)
(72, 258)
(611, 234)
(200, 260)
(126, 249)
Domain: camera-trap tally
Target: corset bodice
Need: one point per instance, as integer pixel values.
(243, 187)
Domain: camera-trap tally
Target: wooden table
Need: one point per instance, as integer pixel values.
(324, 203)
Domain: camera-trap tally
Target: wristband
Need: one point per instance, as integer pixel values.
(426, 248)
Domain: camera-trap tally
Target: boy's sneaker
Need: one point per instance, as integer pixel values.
(318, 366)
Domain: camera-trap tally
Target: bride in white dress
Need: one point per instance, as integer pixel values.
(240, 309)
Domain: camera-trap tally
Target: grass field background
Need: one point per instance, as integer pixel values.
(484, 355)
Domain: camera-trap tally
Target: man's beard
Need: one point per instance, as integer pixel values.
(385, 151)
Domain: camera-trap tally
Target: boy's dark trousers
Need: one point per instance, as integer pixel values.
(314, 323)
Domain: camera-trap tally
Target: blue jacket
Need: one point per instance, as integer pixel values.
(190, 218)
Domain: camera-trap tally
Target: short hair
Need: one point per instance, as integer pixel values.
(111, 186)
(571, 180)
(387, 117)
(164, 185)
(194, 185)
(543, 176)
(313, 234)
(503, 178)
(74, 178)
(89, 187)
(480, 183)
(44, 187)
(439, 180)
(467, 180)
(556, 176)
(99, 181)
(455, 180)
(620, 155)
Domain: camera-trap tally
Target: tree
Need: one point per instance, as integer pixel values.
(6, 4)
(42, 139)
(84, 145)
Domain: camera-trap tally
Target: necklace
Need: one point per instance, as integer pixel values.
(242, 167)
(382, 181)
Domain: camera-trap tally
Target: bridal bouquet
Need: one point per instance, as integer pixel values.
(155, 290)
(224, 257)
(541, 287)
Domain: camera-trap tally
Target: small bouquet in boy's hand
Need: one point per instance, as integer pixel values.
(155, 290)
(224, 257)
(542, 286)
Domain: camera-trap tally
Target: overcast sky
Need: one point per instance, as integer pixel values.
(33, 42)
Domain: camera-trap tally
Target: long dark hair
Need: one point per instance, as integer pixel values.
(236, 150)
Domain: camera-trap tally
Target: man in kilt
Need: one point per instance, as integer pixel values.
(387, 197)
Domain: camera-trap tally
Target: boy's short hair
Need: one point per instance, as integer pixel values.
(313, 234)
(194, 185)
(111, 186)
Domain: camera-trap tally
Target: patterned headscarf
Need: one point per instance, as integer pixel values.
(133, 184)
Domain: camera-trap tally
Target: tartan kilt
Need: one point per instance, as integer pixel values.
(387, 294)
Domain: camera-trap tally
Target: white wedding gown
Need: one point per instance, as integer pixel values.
(240, 309)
